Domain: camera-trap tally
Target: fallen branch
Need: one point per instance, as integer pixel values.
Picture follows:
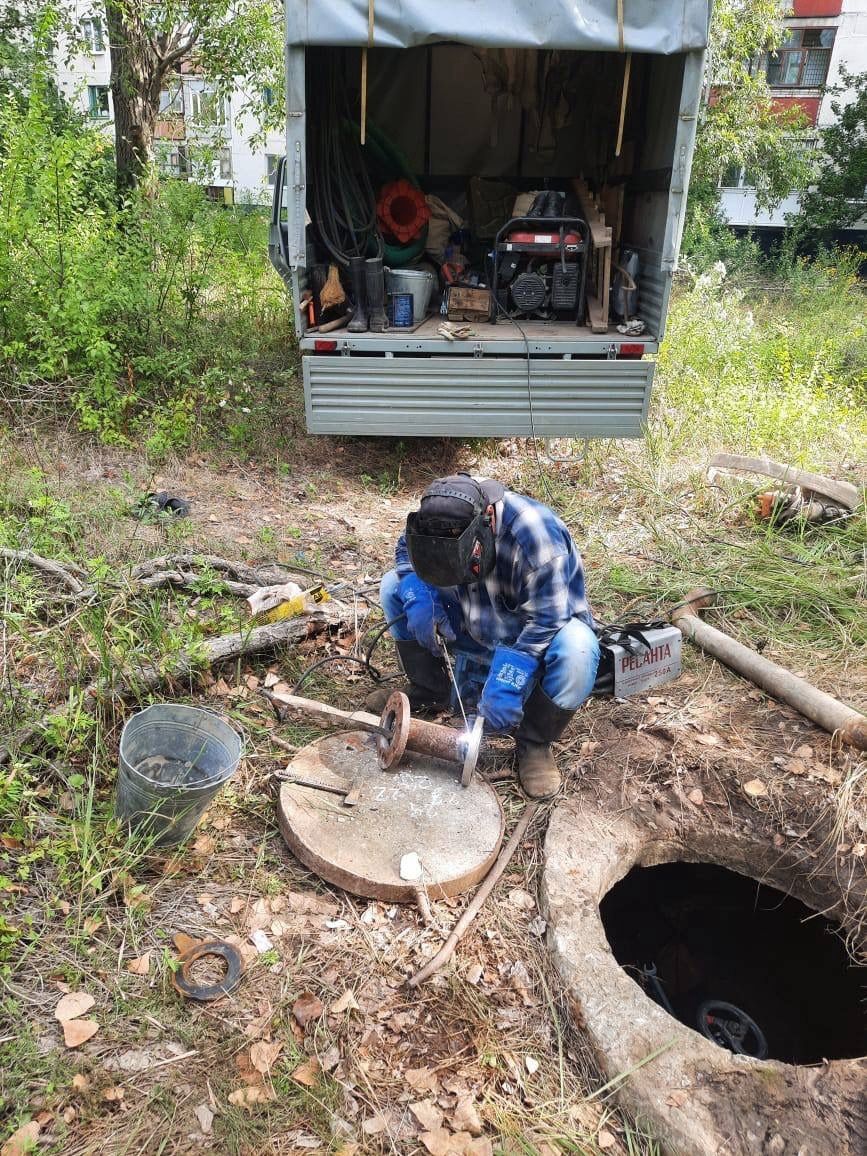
(239, 570)
(149, 677)
(64, 572)
(186, 579)
(474, 907)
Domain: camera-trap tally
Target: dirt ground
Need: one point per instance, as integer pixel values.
(322, 1048)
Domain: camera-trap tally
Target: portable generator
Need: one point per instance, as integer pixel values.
(540, 268)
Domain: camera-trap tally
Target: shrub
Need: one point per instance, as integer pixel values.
(151, 314)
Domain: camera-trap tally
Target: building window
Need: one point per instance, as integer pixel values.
(802, 60)
(91, 34)
(206, 107)
(224, 158)
(271, 163)
(173, 160)
(97, 101)
(172, 101)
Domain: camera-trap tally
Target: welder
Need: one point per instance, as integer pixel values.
(494, 573)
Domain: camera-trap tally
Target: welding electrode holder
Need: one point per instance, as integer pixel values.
(441, 742)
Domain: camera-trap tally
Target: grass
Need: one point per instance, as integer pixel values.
(777, 370)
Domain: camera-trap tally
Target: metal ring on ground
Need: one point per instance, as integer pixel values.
(395, 719)
(187, 987)
(471, 757)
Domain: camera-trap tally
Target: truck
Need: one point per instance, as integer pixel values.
(487, 108)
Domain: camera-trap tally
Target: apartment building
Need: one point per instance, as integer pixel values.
(823, 36)
(200, 136)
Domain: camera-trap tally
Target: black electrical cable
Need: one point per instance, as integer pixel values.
(343, 200)
(364, 661)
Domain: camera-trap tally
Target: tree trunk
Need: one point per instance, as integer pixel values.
(135, 87)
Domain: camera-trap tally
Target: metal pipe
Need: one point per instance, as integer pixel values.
(841, 720)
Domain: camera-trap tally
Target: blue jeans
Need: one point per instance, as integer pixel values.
(568, 669)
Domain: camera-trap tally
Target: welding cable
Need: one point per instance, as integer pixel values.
(364, 661)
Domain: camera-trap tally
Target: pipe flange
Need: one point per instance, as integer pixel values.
(395, 721)
(186, 986)
(471, 755)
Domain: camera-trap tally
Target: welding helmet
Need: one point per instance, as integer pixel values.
(450, 538)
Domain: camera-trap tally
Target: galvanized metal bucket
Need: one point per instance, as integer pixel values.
(418, 282)
(173, 761)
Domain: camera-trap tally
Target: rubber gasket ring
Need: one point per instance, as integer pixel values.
(186, 987)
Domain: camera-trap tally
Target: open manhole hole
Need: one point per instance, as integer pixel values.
(750, 967)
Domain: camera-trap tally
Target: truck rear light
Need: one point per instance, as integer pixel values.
(632, 349)
(322, 346)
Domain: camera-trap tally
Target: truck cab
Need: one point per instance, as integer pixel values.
(487, 108)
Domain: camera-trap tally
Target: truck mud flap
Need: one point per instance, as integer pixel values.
(476, 397)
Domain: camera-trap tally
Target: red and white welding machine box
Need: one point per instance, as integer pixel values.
(647, 666)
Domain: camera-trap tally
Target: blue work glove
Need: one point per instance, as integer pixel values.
(425, 614)
(506, 687)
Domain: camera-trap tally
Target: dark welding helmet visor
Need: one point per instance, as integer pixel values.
(452, 561)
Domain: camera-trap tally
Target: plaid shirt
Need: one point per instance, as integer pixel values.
(535, 587)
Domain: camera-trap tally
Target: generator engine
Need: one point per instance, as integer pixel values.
(540, 268)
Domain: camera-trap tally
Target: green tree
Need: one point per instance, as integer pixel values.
(738, 123)
(228, 41)
(838, 196)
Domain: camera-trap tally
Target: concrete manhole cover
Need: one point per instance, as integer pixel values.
(697, 941)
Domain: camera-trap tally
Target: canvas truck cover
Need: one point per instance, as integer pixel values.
(663, 26)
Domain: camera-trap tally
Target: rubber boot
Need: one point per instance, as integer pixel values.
(358, 321)
(428, 690)
(377, 321)
(542, 724)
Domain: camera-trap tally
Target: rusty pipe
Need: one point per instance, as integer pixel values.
(841, 720)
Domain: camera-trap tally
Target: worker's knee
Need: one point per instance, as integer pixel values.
(570, 664)
(392, 605)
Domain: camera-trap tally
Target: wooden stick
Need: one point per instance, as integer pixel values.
(474, 907)
(627, 68)
(62, 571)
(323, 712)
(370, 4)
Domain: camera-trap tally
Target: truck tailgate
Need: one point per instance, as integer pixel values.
(476, 397)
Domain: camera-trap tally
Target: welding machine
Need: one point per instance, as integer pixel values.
(540, 268)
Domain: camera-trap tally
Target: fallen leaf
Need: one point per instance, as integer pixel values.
(221, 688)
(373, 1125)
(605, 1139)
(707, 740)
(204, 845)
(804, 752)
(237, 904)
(756, 789)
(72, 1005)
(252, 1095)
(345, 1002)
(308, 1006)
(78, 1032)
(205, 1117)
(271, 679)
(307, 1073)
(22, 1139)
(779, 840)
(427, 1114)
(80, 1082)
(796, 767)
(112, 1095)
(251, 682)
(184, 942)
(140, 966)
(480, 1147)
(532, 1064)
(12, 844)
(421, 1079)
(696, 796)
(437, 1142)
(69, 1114)
(474, 973)
(331, 1058)
(263, 1055)
(465, 1117)
(91, 924)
